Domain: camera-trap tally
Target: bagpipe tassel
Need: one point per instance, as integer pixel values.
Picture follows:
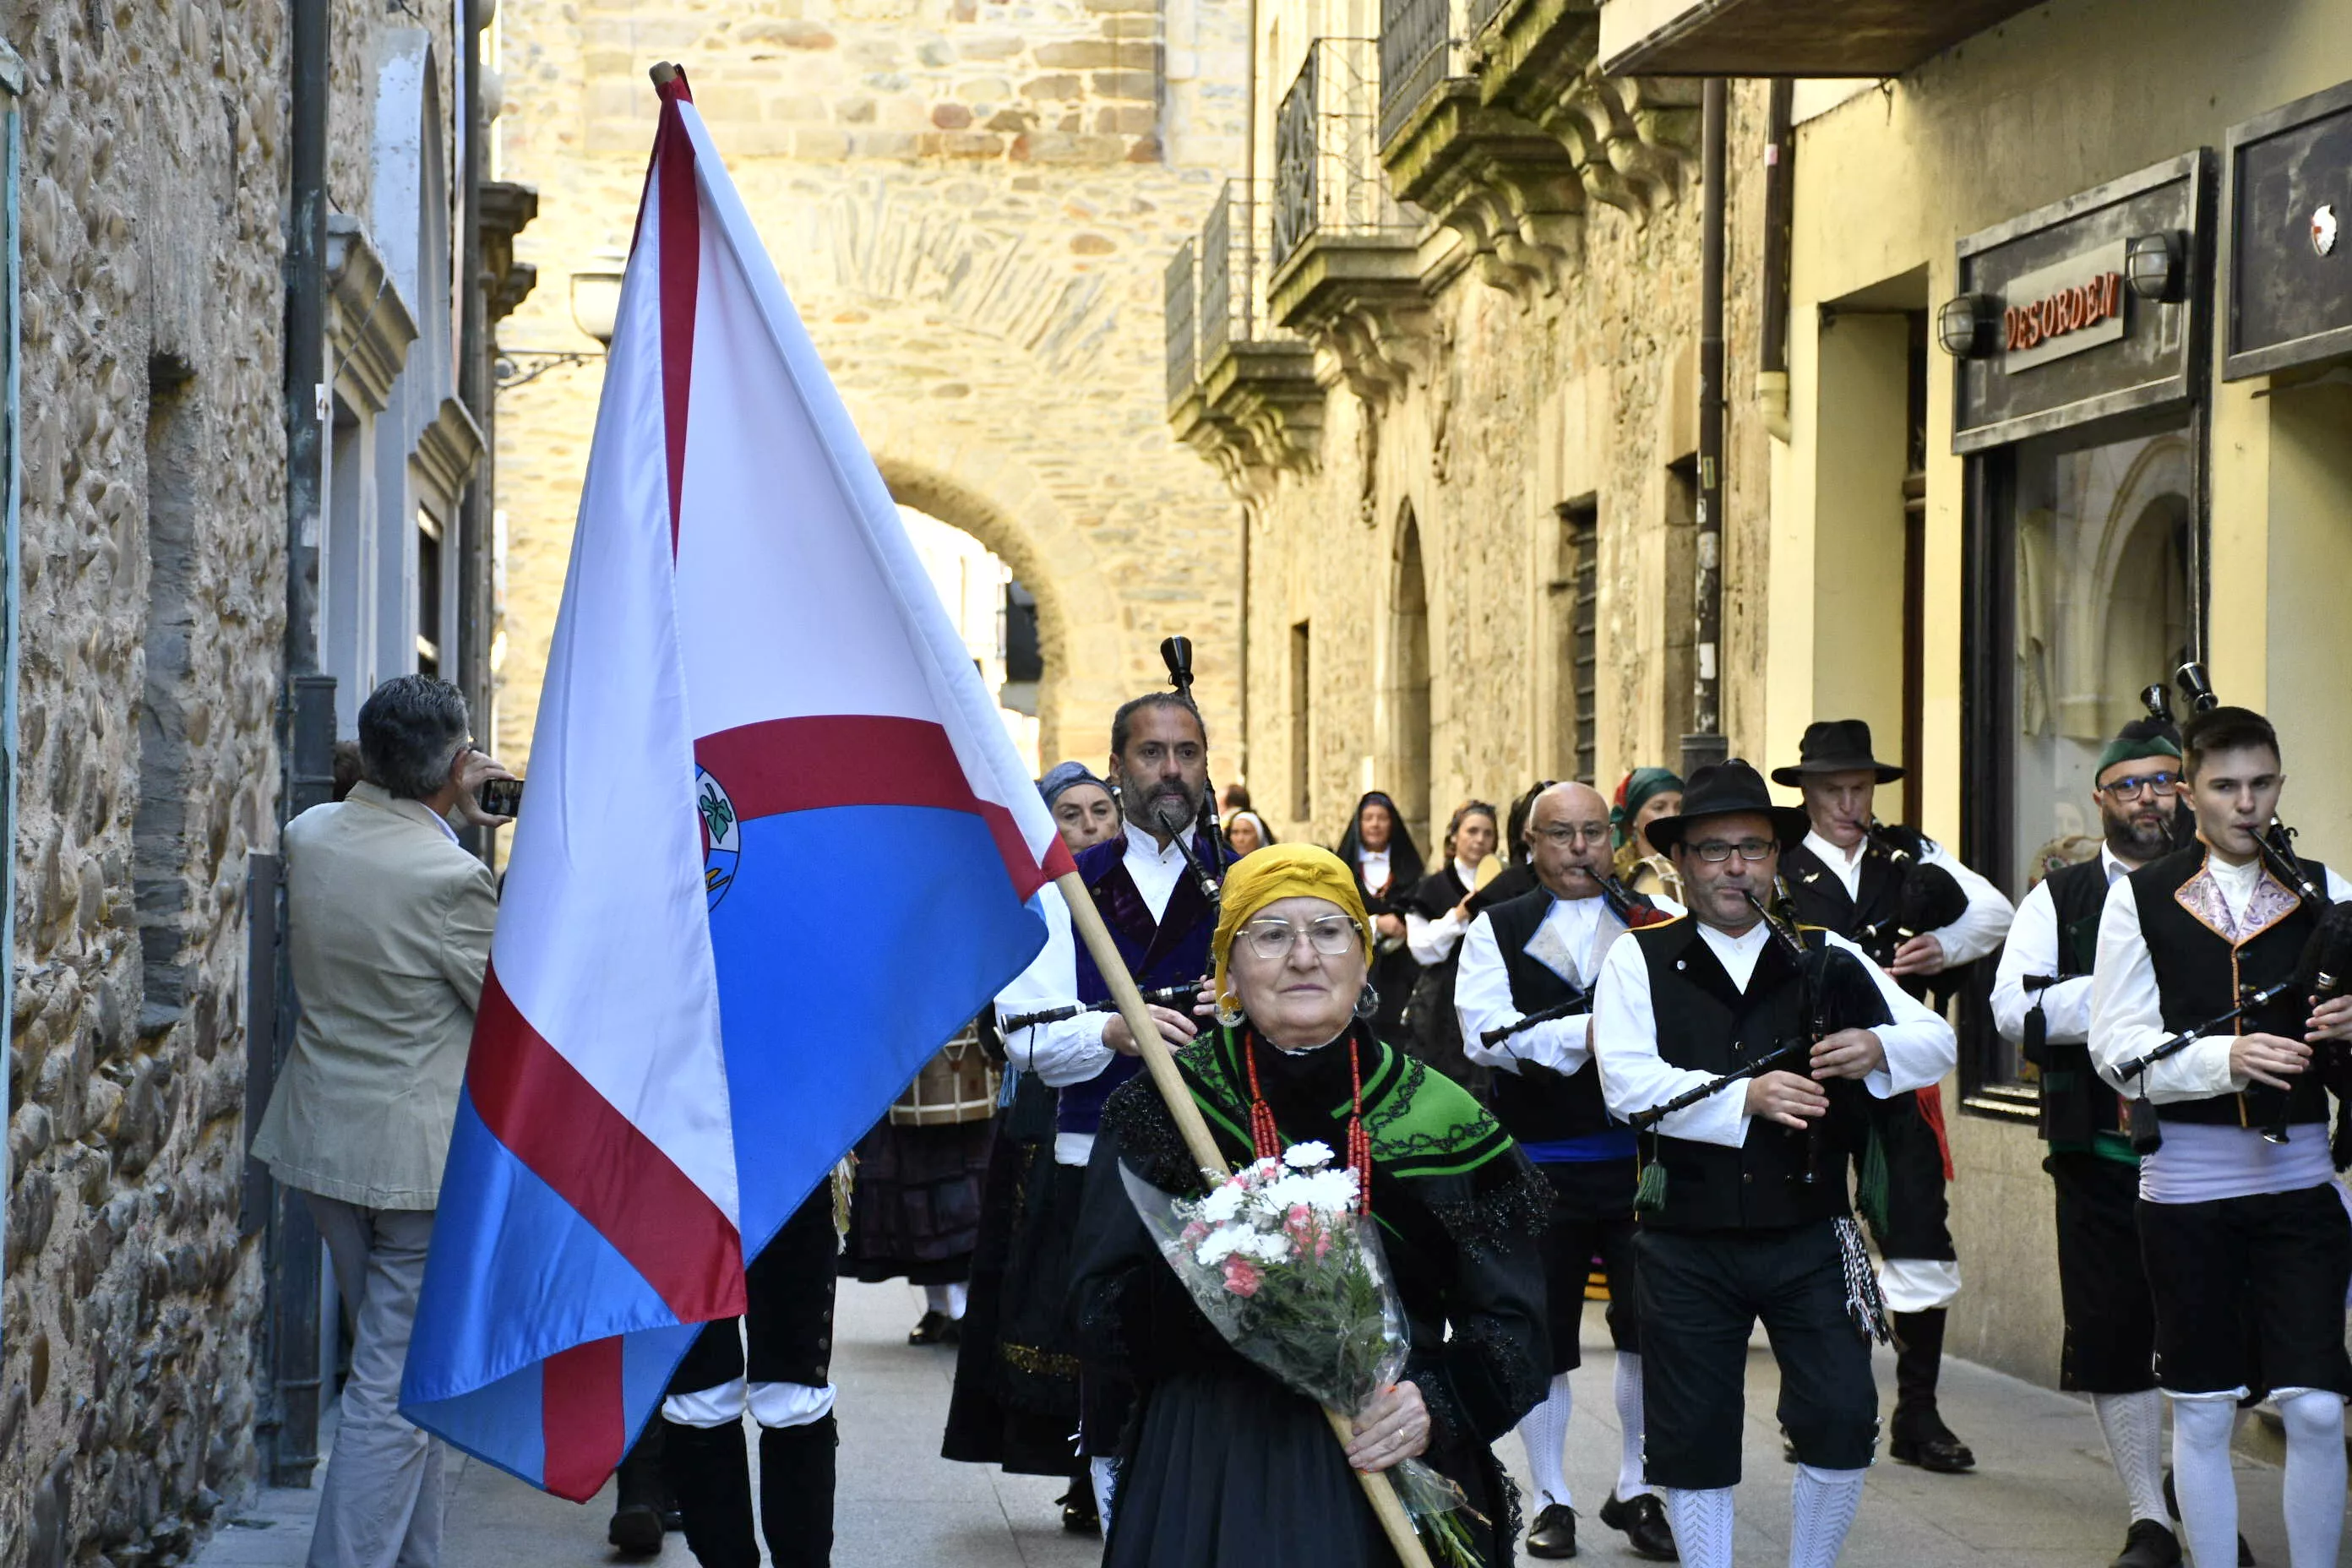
(1863, 1304)
(1650, 1194)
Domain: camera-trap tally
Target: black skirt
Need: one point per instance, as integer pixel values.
(914, 1212)
(1230, 1469)
(1015, 1402)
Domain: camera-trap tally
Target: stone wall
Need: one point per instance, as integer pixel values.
(971, 203)
(154, 170)
(1528, 400)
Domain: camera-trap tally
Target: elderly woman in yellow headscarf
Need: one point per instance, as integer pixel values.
(1223, 1466)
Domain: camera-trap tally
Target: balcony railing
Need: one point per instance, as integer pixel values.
(1232, 271)
(1326, 159)
(1183, 324)
(1420, 46)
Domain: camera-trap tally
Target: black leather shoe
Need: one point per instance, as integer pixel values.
(1921, 1438)
(1553, 1534)
(1644, 1521)
(2149, 1545)
(635, 1530)
(1078, 1515)
(936, 1328)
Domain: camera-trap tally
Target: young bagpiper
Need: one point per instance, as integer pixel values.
(1744, 1208)
(2248, 1250)
(2041, 1000)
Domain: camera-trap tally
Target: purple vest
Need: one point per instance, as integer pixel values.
(1175, 950)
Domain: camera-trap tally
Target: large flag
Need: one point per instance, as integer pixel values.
(691, 1012)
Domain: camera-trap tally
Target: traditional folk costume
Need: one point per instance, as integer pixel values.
(1860, 895)
(1528, 955)
(1730, 1230)
(1640, 867)
(2109, 1349)
(1159, 917)
(2248, 1249)
(1433, 928)
(1387, 881)
(775, 1361)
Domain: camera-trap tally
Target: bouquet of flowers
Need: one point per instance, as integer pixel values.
(1278, 1257)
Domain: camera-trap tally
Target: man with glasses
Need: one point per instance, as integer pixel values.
(1538, 955)
(2042, 1002)
(2244, 1236)
(1146, 883)
(1849, 877)
(1737, 1222)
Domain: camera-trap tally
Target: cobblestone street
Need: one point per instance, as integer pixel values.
(2042, 1497)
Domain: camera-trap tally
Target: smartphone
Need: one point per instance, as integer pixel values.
(500, 797)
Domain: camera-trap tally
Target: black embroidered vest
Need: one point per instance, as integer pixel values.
(1706, 1023)
(2199, 972)
(1536, 1104)
(2077, 1105)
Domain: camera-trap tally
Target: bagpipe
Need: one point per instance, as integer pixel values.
(1165, 996)
(1931, 899)
(2321, 974)
(1176, 653)
(1632, 910)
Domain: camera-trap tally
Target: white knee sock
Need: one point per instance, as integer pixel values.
(958, 1293)
(2134, 1427)
(1103, 1473)
(947, 1300)
(2314, 1484)
(1544, 1430)
(2202, 1479)
(1629, 1480)
(1821, 1505)
(1701, 1524)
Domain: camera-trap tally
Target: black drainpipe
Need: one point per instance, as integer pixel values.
(1706, 743)
(289, 1431)
(1779, 204)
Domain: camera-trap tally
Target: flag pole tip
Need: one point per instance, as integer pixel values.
(663, 74)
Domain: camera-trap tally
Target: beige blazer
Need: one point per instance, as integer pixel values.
(389, 928)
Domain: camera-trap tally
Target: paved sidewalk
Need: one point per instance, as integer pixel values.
(2042, 1497)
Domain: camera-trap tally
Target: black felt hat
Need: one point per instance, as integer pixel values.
(1725, 789)
(1835, 746)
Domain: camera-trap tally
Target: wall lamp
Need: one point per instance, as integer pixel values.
(2155, 267)
(1968, 325)
(596, 311)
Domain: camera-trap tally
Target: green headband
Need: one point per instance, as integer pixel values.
(2123, 749)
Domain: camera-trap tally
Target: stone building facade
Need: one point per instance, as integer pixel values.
(970, 202)
(1442, 336)
(149, 450)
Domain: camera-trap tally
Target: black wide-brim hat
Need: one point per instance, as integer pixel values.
(1835, 746)
(1726, 789)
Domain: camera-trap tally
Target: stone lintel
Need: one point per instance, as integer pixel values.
(369, 327)
(1359, 297)
(450, 448)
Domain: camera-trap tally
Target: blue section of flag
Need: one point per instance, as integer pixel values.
(834, 991)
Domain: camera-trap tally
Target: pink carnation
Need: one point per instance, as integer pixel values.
(1241, 1277)
(1196, 1232)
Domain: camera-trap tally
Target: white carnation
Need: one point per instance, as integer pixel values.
(1308, 1156)
(1267, 1246)
(1220, 1245)
(1223, 1203)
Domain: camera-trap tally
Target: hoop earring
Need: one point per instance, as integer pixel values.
(1368, 1000)
(1229, 1009)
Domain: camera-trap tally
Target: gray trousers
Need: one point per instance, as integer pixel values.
(380, 1505)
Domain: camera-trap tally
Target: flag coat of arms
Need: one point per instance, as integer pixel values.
(675, 1045)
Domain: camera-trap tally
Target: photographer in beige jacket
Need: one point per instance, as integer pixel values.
(389, 923)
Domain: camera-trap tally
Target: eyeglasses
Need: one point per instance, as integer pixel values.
(1331, 935)
(1714, 851)
(1563, 835)
(2162, 786)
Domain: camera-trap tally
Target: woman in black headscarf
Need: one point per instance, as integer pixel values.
(1379, 848)
(1433, 928)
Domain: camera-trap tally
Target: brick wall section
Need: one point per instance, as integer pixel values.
(972, 214)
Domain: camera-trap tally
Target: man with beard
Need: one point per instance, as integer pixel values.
(2042, 1002)
(1146, 883)
(1849, 877)
(1540, 953)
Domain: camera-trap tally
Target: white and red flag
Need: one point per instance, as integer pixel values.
(691, 1012)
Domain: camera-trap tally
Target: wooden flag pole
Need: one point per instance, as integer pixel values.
(1161, 1063)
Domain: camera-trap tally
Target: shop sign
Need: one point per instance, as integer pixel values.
(2064, 308)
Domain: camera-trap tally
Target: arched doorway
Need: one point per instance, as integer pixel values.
(995, 614)
(1406, 698)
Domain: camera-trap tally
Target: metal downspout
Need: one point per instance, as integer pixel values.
(1706, 743)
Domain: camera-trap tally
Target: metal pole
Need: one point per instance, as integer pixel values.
(1706, 742)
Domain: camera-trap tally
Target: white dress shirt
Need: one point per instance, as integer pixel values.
(1970, 937)
(1374, 866)
(2198, 1163)
(1072, 1051)
(1920, 1047)
(2032, 948)
(1432, 940)
(1570, 943)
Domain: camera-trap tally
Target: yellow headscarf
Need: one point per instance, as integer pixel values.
(1283, 871)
